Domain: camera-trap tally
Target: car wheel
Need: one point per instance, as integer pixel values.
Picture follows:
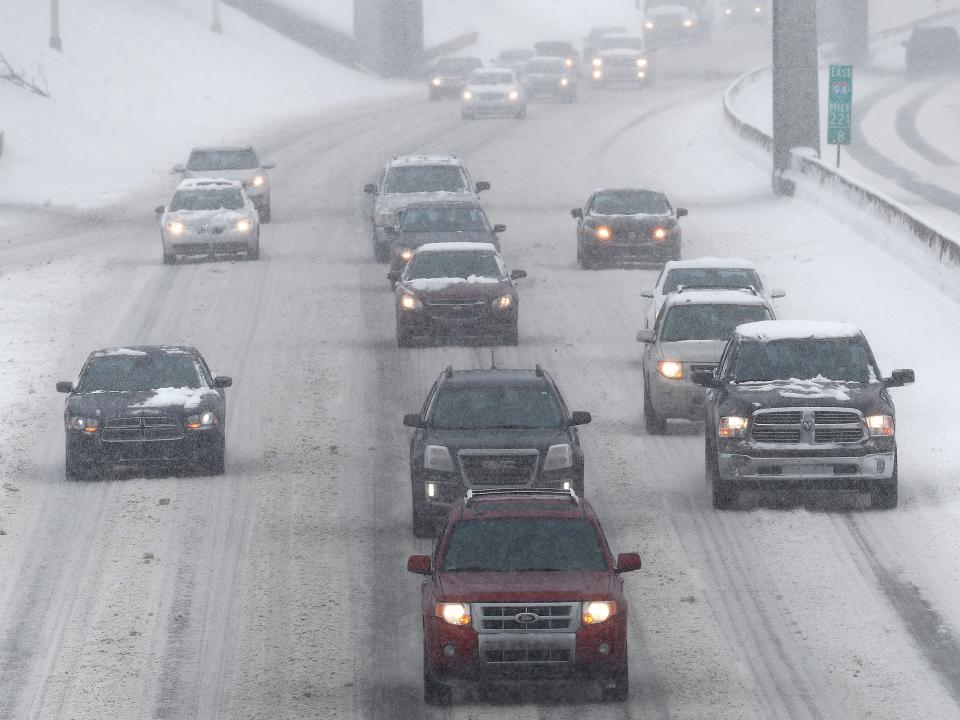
(884, 493)
(433, 97)
(521, 114)
(381, 252)
(434, 692)
(264, 212)
(588, 261)
(655, 422)
(405, 338)
(617, 687)
(253, 252)
(711, 466)
(169, 258)
(78, 466)
(723, 493)
(465, 115)
(212, 461)
(512, 335)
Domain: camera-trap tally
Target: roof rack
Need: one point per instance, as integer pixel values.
(686, 288)
(525, 492)
(538, 370)
(448, 371)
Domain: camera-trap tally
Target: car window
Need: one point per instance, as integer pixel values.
(206, 160)
(732, 278)
(208, 199)
(455, 265)
(515, 55)
(554, 49)
(845, 360)
(630, 202)
(489, 77)
(133, 371)
(523, 544)
(425, 178)
(616, 42)
(497, 407)
(444, 218)
(545, 66)
(458, 65)
(708, 321)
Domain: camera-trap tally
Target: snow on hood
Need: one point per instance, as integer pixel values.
(502, 87)
(621, 52)
(713, 262)
(439, 283)
(188, 398)
(122, 351)
(767, 330)
(456, 247)
(818, 387)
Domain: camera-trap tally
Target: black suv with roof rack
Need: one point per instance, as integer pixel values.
(493, 428)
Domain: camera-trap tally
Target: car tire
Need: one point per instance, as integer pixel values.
(512, 335)
(884, 493)
(253, 252)
(264, 212)
(213, 461)
(588, 260)
(78, 466)
(655, 423)
(381, 252)
(169, 258)
(466, 115)
(521, 114)
(405, 339)
(617, 688)
(435, 693)
(723, 493)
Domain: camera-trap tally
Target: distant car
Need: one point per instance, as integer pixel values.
(144, 405)
(233, 163)
(560, 49)
(595, 34)
(690, 335)
(744, 11)
(932, 50)
(710, 273)
(494, 428)
(523, 586)
(513, 59)
(209, 217)
(550, 78)
(449, 75)
(799, 405)
(673, 23)
(493, 92)
(456, 290)
(633, 225)
(415, 178)
(437, 222)
(621, 58)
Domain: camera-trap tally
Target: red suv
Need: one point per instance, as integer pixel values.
(522, 586)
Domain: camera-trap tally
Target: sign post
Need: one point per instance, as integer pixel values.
(840, 106)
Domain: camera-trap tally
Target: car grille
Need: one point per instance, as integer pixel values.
(620, 62)
(808, 425)
(525, 656)
(457, 309)
(493, 468)
(139, 429)
(490, 96)
(546, 617)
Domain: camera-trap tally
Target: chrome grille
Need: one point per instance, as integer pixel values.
(621, 61)
(495, 468)
(457, 309)
(528, 656)
(490, 96)
(836, 417)
(838, 434)
(808, 425)
(774, 434)
(543, 617)
(140, 429)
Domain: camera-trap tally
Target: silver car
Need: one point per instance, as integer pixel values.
(233, 163)
(690, 335)
(493, 92)
(209, 217)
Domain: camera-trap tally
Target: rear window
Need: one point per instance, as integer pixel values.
(524, 544)
(208, 160)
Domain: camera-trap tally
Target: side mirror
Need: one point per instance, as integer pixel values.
(499, 228)
(777, 293)
(645, 336)
(178, 168)
(705, 378)
(577, 213)
(268, 165)
(413, 420)
(370, 189)
(899, 378)
(682, 212)
(420, 564)
(647, 294)
(628, 562)
(222, 381)
(481, 186)
(65, 386)
(393, 276)
(160, 209)
(580, 417)
(518, 274)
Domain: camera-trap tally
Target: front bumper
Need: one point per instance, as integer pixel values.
(488, 322)
(190, 447)
(818, 467)
(450, 487)
(676, 398)
(493, 107)
(633, 252)
(210, 243)
(620, 75)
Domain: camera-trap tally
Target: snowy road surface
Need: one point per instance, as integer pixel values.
(280, 591)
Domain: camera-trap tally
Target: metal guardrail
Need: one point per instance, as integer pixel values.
(445, 48)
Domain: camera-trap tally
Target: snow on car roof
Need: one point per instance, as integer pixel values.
(734, 296)
(207, 183)
(456, 247)
(425, 160)
(796, 330)
(711, 262)
(145, 350)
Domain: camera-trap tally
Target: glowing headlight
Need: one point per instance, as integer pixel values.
(514, 95)
(404, 253)
(564, 82)
(258, 181)
(602, 233)
(641, 74)
(670, 369)
(409, 302)
(758, 9)
(597, 611)
(688, 23)
(659, 233)
(244, 225)
(568, 62)
(176, 227)
(467, 95)
(454, 613)
(90, 425)
(436, 82)
(880, 425)
(648, 24)
(641, 62)
(728, 11)
(437, 457)
(558, 457)
(733, 426)
(597, 74)
(503, 302)
(204, 420)
(597, 62)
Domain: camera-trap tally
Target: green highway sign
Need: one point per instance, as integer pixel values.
(840, 105)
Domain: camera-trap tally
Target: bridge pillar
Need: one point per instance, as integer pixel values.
(391, 34)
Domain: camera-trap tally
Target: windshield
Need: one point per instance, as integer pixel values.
(708, 321)
(488, 407)
(515, 55)
(732, 278)
(425, 178)
(213, 199)
(545, 66)
(139, 371)
(455, 265)
(616, 42)
(630, 202)
(206, 160)
(524, 544)
(492, 78)
(554, 49)
(444, 218)
(456, 65)
(845, 360)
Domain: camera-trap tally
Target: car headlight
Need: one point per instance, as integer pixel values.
(641, 62)
(258, 181)
(201, 421)
(504, 302)
(733, 426)
(602, 233)
(88, 425)
(436, 82)
(728, 11)
(688, 23)
(404, 253)
(564, 82)
(758, 9)
(598, 611)
(437, 457)
(244, 225)
(453, 613)
(568, 62)
(410, 302)
(558, 457)
(660, 233)
(467, 95)
(670, 369)
(176, 227)
(384, 217)
(597, 62)
(648, 24)
(880, 425)
(514, 95)
(597, 74)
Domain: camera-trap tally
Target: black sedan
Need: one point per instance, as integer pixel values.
(627, 225)
(146, 405)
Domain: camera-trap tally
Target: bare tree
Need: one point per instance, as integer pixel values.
(18, 78)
